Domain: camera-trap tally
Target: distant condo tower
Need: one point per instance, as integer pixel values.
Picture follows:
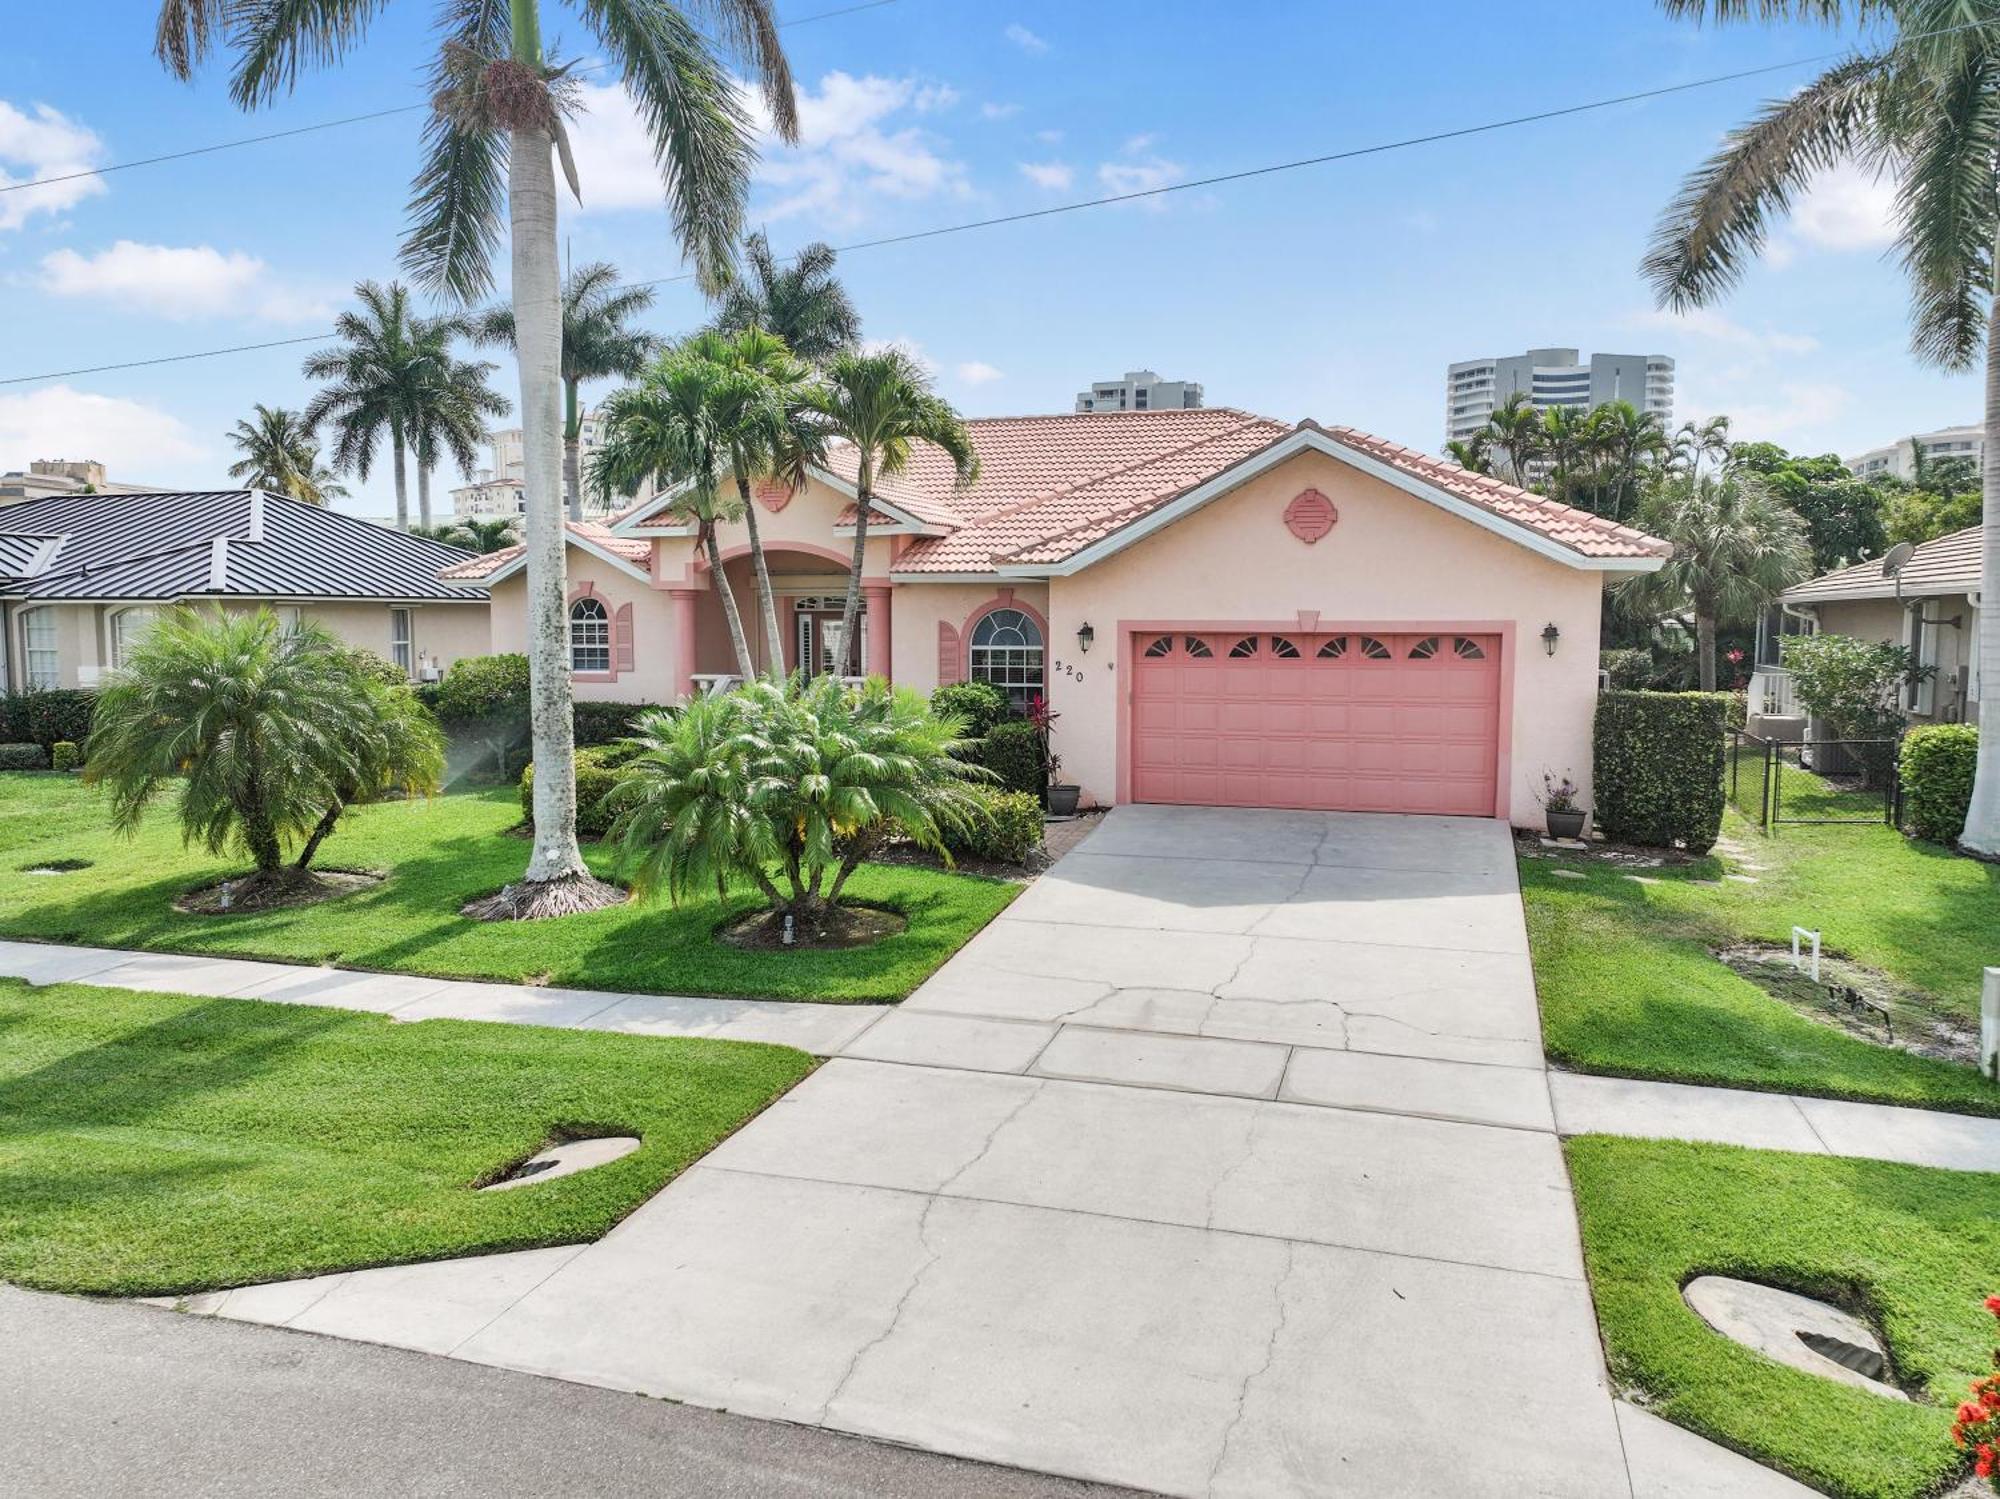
(1140, 390)
(1474, 388)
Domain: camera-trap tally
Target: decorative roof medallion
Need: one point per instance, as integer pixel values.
(1310, 516)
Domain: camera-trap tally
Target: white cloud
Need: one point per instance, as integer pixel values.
(44, 142)
(908, 345)
(978, 372)
(179, 282)
(1025, 39)
(1706, 323)
(1134, 144)
(134, 441)
(1141, 176)
(1803, 415)
(1056, 176)
(1848, 207)
(1049, 137)
(848, 149)
(991, 110)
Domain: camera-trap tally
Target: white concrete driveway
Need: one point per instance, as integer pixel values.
(1222, 1163)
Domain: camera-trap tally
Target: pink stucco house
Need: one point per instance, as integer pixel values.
(1222, 608)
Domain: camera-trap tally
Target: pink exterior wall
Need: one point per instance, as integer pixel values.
(921, 607)
(651, 679)
(1392, 560)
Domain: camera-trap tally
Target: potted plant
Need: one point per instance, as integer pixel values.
(1566, 817)
(1059, 798)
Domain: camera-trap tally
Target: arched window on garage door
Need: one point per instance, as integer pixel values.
(1006, 650)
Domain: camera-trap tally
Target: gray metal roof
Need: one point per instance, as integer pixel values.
(1949, 564)
(234, 543)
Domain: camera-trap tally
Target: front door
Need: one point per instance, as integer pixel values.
(819, 636)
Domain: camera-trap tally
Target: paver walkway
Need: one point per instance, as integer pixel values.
(1216, 1165)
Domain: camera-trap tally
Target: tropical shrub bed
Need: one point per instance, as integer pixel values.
(1007, 830)
(1659, 767)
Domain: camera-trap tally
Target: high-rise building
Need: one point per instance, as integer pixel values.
(1140, 390)
(496, 490)
(1898, 459)
(1475, 388)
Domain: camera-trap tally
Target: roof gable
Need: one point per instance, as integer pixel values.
(631, 555)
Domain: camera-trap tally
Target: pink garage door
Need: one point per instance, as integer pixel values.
(1350, 722)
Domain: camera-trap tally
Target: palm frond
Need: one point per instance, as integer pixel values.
(276, 38)
(186, 33)
(1948, 206)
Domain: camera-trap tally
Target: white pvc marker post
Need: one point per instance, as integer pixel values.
(1989, 1026)
(1797, 933)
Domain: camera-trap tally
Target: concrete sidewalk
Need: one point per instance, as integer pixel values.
(1210, 1167)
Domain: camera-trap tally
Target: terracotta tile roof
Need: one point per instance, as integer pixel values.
(634, 549)
(1946, 564)
(1579, 530)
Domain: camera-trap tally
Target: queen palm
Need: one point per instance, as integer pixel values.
(279, 455)
(596, 345)
(881, 401)
(1737, 546)
(769, 433)
(801, 302)
(1921, 106)
(496, 126)
(672, 430)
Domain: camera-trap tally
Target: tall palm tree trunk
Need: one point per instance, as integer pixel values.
(746, 668)
(537, 299)
(423, 494)
(850, 612)
(767, 603)
(402, 479)
(1982, 818)
(572, 449)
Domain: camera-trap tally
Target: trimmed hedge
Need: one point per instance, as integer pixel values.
(1013, 752)
(594, 780)
(1010, 831)
(64, 755)
(980, 704)
(23, 757)
(1659, 767)
(1936, 767)
(606, 723)
(46, 718)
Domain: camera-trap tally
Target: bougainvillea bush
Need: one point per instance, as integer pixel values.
(1976, 1426)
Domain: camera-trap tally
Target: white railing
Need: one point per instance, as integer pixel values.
(1772, 693)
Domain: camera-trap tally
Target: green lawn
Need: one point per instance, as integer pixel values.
(1629, 987)
(156, 1144)
(1915, 1250)
(440, 854)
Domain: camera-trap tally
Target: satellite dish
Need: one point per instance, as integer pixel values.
(1898, 555)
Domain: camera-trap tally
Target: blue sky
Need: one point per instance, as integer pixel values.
(1338, 292)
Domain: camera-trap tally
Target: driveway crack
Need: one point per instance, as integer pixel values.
(1284, 1316)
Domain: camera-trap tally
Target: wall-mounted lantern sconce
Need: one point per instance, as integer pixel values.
(1550, 635)
(1084, 637)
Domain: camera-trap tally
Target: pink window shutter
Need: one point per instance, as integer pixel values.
(621, 639)
(947, 653)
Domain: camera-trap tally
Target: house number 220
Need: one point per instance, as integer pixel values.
(1064, 670)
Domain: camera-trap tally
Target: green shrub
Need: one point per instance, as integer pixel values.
(1936, 768)
(605, 723)
(1628, 669)
(1659, 767)
(1008, 830)
(64, 755)
(378, 666)
(45, 717)
(23, 757)
(596, 774)
(980, 704)
(1014, 753)
(484, 699)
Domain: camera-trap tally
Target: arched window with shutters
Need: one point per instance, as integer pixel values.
(589, 637)
(1006, 649)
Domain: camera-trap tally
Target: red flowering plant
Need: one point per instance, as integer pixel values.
(1975, 1426)
(1043, 717)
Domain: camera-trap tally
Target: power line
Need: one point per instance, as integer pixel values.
(360, 119)
(1509, 123)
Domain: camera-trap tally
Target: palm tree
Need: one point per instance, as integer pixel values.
(453, 402)
(1920, 106)
(279, 455)
(1693, 442)
(1474, 453)
(672, 429)
(1626, 440)
(881, 402)
(1737, 546)
(1515, 428)
(486, 533)
(1569, 443)
(264, 733)
(373, 377)
(497, 124)
(802, 303)
(769, 433)
(596, 345)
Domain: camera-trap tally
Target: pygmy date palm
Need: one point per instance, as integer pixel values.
(1922, 105)
(497, 125)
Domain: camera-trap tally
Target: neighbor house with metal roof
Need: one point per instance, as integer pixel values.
(1221, 608)
(1930, 604)
(81, 576)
